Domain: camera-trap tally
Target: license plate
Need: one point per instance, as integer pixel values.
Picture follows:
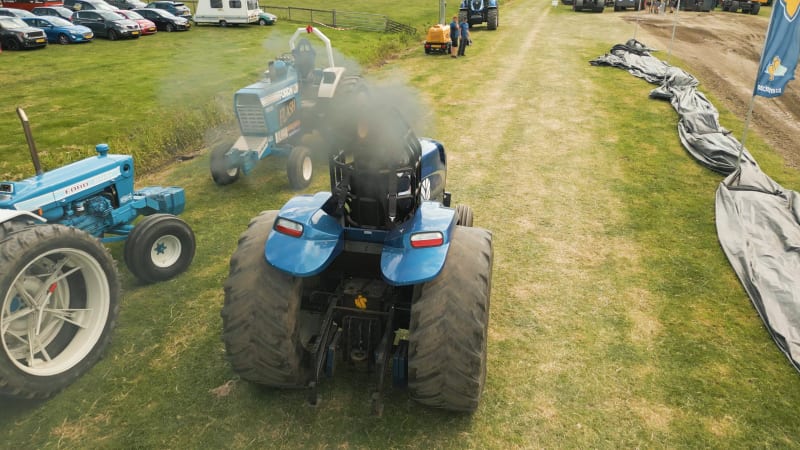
(134, 33)
(39, 41)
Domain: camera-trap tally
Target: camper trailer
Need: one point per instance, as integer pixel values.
(227, 12)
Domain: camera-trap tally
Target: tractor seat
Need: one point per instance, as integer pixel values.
(304, 58)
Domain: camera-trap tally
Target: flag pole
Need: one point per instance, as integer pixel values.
(674, 26)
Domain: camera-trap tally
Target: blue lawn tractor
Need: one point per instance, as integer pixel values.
(379, 272)
(294, 100)
(476, 12)
(59, 287)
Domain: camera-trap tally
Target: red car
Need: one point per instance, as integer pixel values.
(147, 26)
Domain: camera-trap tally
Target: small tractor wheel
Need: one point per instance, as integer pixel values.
(299, 167)
(577, 5)
(261, 316)
(464, 215)
(160, 247)
(734, 6)
(493, 19)
(59, 300)
(220, 172)
(755, 8)
(449, 326)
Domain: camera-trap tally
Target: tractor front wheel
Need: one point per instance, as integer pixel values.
(59, 300)
(160, 247)
(220, 172)
(261, 316)
(299, 167)
(449, 326)
(493, 19)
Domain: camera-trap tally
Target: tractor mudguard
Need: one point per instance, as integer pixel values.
(402, 264)
(8, 215)
(320, 243)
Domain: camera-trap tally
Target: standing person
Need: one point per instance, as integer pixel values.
(454, 36)
(464, 41)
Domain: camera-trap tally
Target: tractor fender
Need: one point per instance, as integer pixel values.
(402, 264)
(321, 242)
(7, 215)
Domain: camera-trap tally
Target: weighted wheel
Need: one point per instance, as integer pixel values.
(160, 247)
(220, 172)
(299, 167)
(261, 316)
(59, 300)
(449, 326)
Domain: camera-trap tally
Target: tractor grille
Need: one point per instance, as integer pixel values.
(251, 115)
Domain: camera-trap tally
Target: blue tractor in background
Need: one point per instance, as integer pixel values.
(278, 113)
(378, 272)
(476, 12)
(59, 287)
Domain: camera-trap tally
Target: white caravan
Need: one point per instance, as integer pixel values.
(227, 12)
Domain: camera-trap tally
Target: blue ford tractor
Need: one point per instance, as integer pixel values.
(380, 272)
(59, 288)
(294, 100)
(476, 12)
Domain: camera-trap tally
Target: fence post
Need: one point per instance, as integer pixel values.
(334, 18)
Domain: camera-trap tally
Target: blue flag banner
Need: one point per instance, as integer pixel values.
(781, 49)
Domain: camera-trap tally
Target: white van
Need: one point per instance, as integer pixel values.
(227, 12)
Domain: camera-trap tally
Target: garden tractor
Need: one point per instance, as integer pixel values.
(59, 287)
(379, 272)
(294, 100)
(595, 6)
(476, 12)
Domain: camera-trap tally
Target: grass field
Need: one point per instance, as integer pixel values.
(616, 320)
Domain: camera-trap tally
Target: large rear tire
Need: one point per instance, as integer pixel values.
(449, 326)
(261, 316)
(160, 247)
(299, 167)
(492, 19)
(59, 300)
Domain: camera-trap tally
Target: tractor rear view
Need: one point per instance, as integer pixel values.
(380, 272)
(476, 12)
(745, 6)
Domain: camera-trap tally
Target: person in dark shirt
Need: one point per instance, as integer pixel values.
(454, 36)
(464, 41)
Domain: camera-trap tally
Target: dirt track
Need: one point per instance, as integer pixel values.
(723, 50)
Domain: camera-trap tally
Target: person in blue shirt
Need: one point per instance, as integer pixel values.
(464, 41)
(454, 36)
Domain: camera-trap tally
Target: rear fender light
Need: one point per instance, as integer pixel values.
(288, 227)
(427, 239)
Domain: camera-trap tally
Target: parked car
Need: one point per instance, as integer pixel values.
(60, 30)
(53, 11)
(174, 8)
(15, 34)
(164, 20)
(15, 12)
(126, 4)
(88, 5)
(147, 26)
(107, 24)
(265, 18)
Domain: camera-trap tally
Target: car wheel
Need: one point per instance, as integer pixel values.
(12, 44)
(112, 35)
(63, 39)
(223, 23)
(262, 22)
(170, 28)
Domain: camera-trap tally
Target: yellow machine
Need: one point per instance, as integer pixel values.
(438, 38)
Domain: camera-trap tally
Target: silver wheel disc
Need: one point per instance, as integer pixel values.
(165, 251)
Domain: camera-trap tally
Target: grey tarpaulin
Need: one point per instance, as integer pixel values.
(758, 221)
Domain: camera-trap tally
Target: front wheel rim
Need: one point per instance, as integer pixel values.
(37, 308)
(166, 251)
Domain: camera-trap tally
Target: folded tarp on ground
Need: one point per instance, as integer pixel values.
(758, 221)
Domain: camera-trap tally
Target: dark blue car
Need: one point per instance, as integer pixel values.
(61, 30)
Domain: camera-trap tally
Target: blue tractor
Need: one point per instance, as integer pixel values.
(380, 272)
(276, 114)
(476, 12)
(59, 287)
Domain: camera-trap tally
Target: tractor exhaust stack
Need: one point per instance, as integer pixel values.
(29, 137)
